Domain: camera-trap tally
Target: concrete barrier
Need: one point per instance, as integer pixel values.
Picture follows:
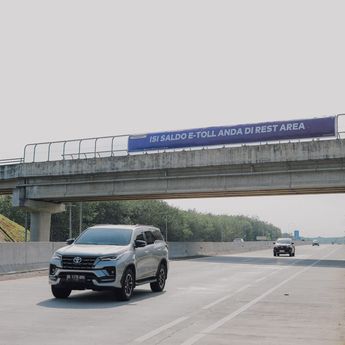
(21, 257)
(190, 249)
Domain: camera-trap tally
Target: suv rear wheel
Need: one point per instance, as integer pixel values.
(159, 284)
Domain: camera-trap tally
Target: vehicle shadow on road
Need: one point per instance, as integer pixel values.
(97, 300)
(278, 261)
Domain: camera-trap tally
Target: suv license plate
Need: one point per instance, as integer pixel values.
(75, 277)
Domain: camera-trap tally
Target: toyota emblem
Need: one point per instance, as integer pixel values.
(77, 260)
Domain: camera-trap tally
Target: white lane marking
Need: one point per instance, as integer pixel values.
(181, 319)
(243, 288)
(193, 288)
(160, 329)
(208, 306)
(231, 316)
(276, 270)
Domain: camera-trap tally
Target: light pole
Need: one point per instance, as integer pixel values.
(70, 232)
(166, 228)
(70, 220)
(80, 217)
(26, 226)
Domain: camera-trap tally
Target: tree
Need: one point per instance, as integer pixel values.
(182, 225)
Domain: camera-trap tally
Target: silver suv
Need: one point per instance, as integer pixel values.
(110, 257)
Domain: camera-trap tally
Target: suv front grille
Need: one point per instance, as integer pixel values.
(85, 263)
(286, 248)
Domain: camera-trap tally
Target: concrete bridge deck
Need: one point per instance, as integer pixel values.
(290, 168)
(273, 169)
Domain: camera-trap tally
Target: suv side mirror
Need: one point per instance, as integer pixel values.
(70, 241)
(139, 243)
(274, 243)
(292, 242)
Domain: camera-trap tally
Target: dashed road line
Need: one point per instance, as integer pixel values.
(208, 306)
(260, 279)
(161, 329)
(231, 316)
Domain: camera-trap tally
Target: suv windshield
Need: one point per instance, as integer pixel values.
(284, 240)
(115, 236)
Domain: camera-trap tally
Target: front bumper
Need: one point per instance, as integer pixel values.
(283, 250)
(97, 279)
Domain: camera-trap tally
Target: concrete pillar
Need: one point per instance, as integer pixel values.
(40, 226)
(40, 213)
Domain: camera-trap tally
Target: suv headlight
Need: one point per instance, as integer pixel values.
(57, 256)
(108, 258)
(112, 257)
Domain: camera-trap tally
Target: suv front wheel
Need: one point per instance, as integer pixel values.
(60, 292)
(126, 291)
(159, 284)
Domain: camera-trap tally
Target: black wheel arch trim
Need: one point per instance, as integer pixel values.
(132, 267)
(165, 263)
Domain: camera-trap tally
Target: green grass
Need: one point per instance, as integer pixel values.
(11, 231)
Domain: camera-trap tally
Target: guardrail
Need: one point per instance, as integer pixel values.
(110, 146)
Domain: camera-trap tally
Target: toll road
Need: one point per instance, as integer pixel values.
(251, 298)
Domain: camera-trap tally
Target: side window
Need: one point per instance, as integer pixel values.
(149, 237)
(140, 237)
(157, 235)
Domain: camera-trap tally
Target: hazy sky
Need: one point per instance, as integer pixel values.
(71, 69)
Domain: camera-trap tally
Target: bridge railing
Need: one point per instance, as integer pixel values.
(76, 149)
(110, 146)
(340, 126)
(10, 161)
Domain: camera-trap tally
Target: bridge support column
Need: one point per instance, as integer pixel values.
(40, 216)
(40, 226)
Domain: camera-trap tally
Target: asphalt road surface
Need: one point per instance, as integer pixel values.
(251, 298)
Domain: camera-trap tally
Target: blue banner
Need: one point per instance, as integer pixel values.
(265, 131)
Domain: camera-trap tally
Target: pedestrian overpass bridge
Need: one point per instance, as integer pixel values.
(306, 167)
